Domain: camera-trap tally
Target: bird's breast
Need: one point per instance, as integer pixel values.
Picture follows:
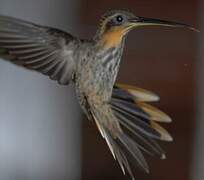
(97, 73)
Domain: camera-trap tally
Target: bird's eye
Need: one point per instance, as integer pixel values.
(119, 19)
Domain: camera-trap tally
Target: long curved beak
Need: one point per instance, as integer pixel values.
(142, 21)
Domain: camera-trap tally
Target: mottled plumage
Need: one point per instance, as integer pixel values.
(127, 123)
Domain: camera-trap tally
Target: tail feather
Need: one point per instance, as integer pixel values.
(129, 107)
(165, 136)
(121, 148)
(139, 120)
(136, 124)
(139, 108)
(132, 148)
(140, 115)
(145, 143)
(138, 129)
(118, 154)
(131, 93)
(154, 113)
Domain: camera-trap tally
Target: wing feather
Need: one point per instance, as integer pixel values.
(46, 50)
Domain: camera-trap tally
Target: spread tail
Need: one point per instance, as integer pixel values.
(139, 127)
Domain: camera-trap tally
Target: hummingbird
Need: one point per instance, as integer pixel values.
(122, 113)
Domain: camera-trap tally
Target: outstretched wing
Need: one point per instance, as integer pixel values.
(46, 50)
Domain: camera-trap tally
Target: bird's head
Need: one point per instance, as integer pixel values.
(115, 24)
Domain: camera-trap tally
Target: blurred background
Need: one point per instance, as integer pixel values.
(43, 134)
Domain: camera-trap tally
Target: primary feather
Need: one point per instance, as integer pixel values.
(47, 50)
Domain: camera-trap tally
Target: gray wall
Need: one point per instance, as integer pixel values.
(198, 149)
(39, 120)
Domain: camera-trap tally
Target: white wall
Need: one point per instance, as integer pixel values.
(39, 120)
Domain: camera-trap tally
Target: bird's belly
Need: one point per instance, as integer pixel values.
(94, 83)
